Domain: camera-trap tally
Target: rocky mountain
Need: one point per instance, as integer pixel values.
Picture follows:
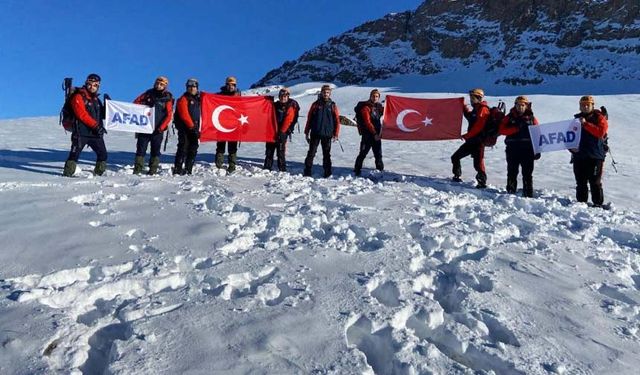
(544, 45)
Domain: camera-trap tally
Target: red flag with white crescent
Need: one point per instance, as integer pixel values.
(237, 118)
(415, 119)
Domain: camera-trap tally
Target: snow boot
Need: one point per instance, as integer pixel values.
(233, 158)
(69, 168)
(100, 168)
(481, 177)
(154, 164)
(138, 165)
(219, 160)
(268, 163)
(188, 166)
(512, 184)
(379, 165)
(527, 187)
(306, 172)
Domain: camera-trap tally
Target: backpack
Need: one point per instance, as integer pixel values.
(296, 108)
(67, 117)
(490, 131)
(359, 119)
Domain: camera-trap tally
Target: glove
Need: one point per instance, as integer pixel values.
(195, 132)
(100, 131)
(106, 96)
(281, 137)
(536, 156)
(306, 138)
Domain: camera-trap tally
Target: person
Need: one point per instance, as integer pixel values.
(369, 121)
(230, 89)
(187, 121)
(323, 126)
(161, 100)
(477, 118)
(588, 159)
(88, 129)
(519, 150)
(286, 113)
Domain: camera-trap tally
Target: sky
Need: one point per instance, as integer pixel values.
(129, 43)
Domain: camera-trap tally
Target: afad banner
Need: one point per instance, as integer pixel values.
(416, 119)
(129, 117)
(237, 118)
(555, 136)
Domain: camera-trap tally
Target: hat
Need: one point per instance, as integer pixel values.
(477, 92)
(192, 82)
(521, 99)
(587, 99)
(325, 87)
(93, 77)
(231, 79)
(283, 91)
(163, 79)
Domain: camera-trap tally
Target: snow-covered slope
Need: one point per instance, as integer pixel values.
(271, 273)
(507, 47)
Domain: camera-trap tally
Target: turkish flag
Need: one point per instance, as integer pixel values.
(414, 119)
(237, 118)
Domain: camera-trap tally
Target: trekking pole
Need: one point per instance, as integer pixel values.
(340, 143)
(613, 162)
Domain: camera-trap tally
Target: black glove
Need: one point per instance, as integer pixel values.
(281, 137)
(195, 132)
(100, 131)
(536, 156)
(106, 96)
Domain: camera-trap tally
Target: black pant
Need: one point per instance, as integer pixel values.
(589, 171)
(279, 148)
(220, 146)
(187, 148)
(143, 144)
(314, 142)
(78, 143)
(476, 150)
(520, 156)
(368, 142)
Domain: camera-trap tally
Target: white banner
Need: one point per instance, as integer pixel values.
(129, 117)
(555, 136)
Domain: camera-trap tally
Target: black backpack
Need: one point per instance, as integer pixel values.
(67, 117)
(490, 131)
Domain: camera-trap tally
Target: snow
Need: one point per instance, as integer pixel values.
(265, 272)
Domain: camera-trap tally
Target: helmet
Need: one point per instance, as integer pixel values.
(477, 92)
(93, 78)
(192, 82)
(231, 80)
(521, 99)
(588, 99)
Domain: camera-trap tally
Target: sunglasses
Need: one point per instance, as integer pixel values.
(283, 94)
(163, 83)
(92, 84)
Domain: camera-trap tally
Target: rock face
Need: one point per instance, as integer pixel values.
(511, 43)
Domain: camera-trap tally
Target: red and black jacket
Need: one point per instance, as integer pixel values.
(594, 129)
(188, 111)
(477, 118)
(285, 113)
(162, 102)
(87, 110)
(370, 117)
(515, 127)
(323, 119)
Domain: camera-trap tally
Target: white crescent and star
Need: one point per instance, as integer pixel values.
(400, 121)
(215, 118)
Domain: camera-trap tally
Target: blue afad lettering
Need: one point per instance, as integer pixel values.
(130, 119)
(558, 137)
